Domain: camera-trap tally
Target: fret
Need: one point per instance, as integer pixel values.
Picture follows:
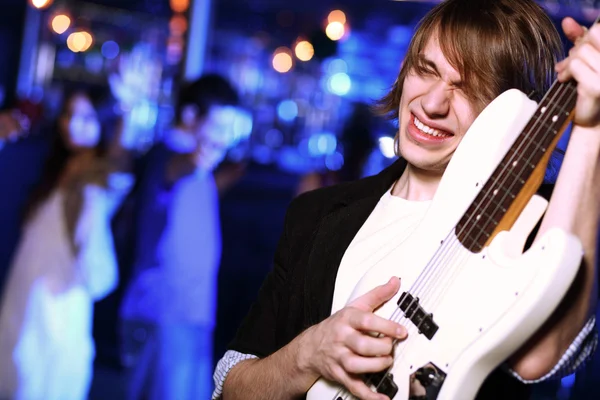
(493, 198)
(549, 125)
(557, 109)
(530, 149)
(513, 172)
(478, 240)
(482, 215)
(499, 206)
(480, 234)
(539, 147)
(520, 170)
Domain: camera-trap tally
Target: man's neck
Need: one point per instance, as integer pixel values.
(416, 184)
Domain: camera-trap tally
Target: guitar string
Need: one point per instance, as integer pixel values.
(454, 271)
(454, 241)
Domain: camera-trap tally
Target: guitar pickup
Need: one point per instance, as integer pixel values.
(417, 315)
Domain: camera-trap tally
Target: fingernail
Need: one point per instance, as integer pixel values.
(401, 333)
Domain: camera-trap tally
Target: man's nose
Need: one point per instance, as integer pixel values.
(436, 102)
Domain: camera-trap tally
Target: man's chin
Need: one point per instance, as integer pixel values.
(426, 164)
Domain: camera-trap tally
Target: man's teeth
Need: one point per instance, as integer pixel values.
(427, 130)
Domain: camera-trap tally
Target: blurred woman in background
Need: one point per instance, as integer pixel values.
(65, 260)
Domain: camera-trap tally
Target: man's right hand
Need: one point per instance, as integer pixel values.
(342, 347)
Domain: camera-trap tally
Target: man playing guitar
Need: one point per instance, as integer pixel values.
(464, 54)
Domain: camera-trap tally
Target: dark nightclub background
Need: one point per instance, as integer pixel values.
(296, 112)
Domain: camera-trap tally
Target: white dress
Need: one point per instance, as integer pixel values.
(46, 345)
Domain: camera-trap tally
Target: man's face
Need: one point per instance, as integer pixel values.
(434, 112)
(215, 135)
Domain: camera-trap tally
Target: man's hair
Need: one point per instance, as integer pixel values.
(495, 45)
(205, 92)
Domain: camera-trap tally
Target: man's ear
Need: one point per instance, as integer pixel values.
(189, 115)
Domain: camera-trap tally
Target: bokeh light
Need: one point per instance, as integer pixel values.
(339, 84)
(174, 49)
(337, 16)
(41, 3)
(322, 144)
(79, 41)
(336, 65)
(287, 110)
(335, 161)
(89, 40)
(178, 25)
(335, 30)
(60, 23)
(179, 6)
(110, 49)
(282, 60)
(304, 50)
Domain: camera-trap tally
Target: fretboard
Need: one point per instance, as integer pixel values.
(515, 169)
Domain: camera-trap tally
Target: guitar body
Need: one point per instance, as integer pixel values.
(485, 304)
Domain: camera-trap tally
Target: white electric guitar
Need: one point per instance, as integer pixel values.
(471, 295)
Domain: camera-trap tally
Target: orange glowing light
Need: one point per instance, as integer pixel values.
(304, 50)
(335, 30)
(178, 25)
(60, 23)
(337, 16)
(79, 41)
(41, 3)
(89, 40)
(282, 60)
(180, 6)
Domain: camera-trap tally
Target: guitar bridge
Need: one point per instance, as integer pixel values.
(417, 315)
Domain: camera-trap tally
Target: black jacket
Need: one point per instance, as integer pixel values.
(298, 292)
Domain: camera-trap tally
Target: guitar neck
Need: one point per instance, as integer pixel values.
(519, 175)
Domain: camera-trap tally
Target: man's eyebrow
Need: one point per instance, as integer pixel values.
(422, 59)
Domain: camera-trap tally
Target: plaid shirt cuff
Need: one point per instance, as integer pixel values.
(576, 355)
(229, 360)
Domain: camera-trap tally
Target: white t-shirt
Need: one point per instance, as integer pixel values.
(392, 221)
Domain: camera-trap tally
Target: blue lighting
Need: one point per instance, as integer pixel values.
(335, 161)
(110, 49)
(322, 144)
(242, 125)
(273, 138)
(337, 65)
(287, 110)
(568, 381)
(340, 84)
